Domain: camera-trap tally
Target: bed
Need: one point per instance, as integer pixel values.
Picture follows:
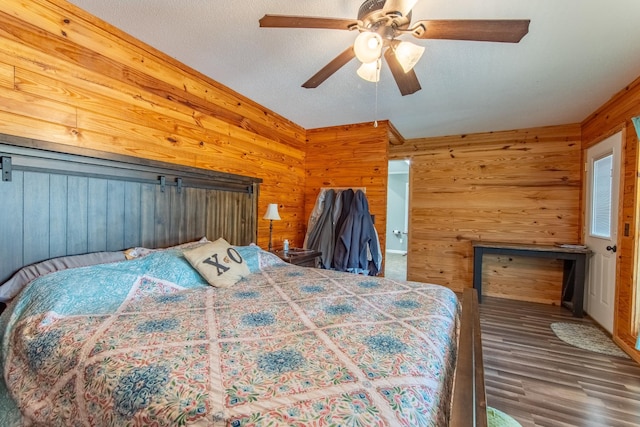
(93, 338)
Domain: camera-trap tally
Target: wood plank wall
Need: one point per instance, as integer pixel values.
(350, 156)
(520, 186)
(68, 77)
(612, 117)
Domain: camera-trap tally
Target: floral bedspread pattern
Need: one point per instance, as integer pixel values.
(146, 342)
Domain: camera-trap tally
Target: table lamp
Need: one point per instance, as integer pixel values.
(271, 215)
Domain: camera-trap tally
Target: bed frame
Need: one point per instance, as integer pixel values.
(469, 405)
(62, 200)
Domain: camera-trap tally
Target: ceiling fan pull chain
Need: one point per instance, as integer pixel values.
(375, 116)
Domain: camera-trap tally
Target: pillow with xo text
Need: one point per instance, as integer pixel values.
(218, 262)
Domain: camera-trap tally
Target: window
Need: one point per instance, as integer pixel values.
(601, 210)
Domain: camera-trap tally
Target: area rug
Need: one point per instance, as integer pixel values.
(586, 337)
(497, 418)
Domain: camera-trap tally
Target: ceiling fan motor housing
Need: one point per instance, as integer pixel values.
(375, 19)
(370, 7)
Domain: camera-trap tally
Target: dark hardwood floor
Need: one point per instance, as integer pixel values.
(541, 381)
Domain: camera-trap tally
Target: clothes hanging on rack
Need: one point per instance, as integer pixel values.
(341, 227)
(322, 236)
(346, 198)
(319, 208)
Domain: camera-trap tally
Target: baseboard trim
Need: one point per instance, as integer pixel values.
(395, 251)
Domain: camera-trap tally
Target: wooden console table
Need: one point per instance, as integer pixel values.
(575, 267)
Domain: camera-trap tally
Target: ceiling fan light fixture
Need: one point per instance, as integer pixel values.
(367, 47)
(370, 71)
(379, 22)
(408, 55)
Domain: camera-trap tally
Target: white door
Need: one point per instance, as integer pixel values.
(603, 190)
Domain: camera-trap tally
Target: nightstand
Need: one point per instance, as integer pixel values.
(300, 257)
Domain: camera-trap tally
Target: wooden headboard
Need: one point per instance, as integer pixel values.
(59, 200)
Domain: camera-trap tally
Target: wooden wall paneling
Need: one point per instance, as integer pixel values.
(84, 83)
(145, 66)
(181, 82)
(238, 110)
(18, 125)
(38, 108)
(623, 209)
(124, 117)
(519, 186)
(627, 274)
(7, 75)
(350, 156)
(437, 261)
(523, 278)
(205, 133)
(614, 114)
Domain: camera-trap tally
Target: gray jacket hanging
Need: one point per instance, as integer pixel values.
(322, 237)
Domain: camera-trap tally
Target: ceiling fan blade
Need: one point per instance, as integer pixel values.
(285, 21)
(496, 30)
(407, 82)
(402, 6)
(330, 68)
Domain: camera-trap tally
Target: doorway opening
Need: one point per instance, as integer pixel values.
(397, 220)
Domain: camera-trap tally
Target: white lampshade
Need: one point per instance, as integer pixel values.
(408, 55)
(272, 212)
(370, 71)
(367, 47)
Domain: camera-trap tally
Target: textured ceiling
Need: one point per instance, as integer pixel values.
(577, 55)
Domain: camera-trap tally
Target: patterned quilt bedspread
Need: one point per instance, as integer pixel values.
(147, 342)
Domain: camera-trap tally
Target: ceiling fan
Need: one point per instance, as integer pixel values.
(381, 23)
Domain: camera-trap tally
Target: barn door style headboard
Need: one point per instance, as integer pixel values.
(58, 200)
